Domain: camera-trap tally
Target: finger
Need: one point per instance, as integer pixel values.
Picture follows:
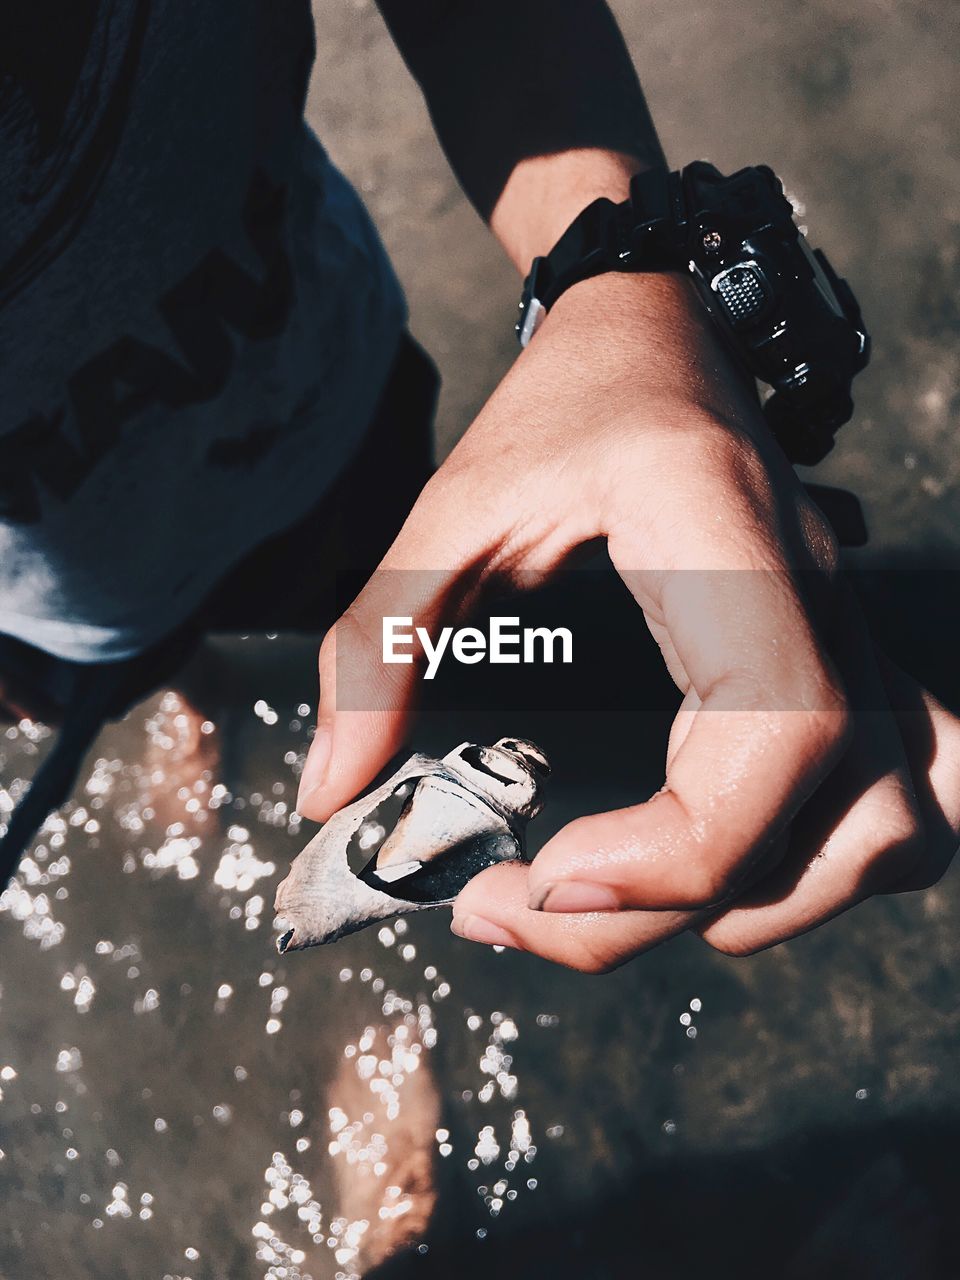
(493, 909)
(366, 702)
(840, 853)
(931, 737)
(860, 833)
(900, 833)
(763, 722)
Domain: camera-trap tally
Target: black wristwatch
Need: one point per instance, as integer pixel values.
(784, 312)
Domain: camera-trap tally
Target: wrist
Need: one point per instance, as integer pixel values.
(651, 330)
(545, 193)
(649, 306)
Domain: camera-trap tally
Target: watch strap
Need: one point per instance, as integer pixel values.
(641, 234)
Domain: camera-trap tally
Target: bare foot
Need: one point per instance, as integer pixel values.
(180, 760)
(384, 1110)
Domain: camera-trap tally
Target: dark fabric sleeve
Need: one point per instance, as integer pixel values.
(508, 79)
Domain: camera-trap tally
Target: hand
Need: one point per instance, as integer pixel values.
(803, 772)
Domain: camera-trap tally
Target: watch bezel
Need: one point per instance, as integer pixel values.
(807, 342)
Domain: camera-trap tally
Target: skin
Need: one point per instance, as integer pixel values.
(804, 772)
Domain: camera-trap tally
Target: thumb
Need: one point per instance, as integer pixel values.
(371, 663)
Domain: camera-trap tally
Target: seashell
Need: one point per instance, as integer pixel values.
(415, 841)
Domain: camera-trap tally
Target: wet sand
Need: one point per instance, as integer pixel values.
(689, 1107)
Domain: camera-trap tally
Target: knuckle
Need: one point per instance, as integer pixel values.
(736, 944)
(830, 719)
(899, 842)
(702, 883)
(904, 852)
(594, 962)
(909, 855)
(928, 869)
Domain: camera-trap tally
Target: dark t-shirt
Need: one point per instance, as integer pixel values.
(196, 314)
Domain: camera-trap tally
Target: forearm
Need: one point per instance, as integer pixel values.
(544, 194)
(539, 109)
(536, 103)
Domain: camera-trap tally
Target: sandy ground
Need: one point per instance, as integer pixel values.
(180, 1102)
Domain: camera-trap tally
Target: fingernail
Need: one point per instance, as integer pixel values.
(477, 929)
(573, 895)
(315, 769)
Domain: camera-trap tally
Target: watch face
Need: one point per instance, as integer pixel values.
(743, 293)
